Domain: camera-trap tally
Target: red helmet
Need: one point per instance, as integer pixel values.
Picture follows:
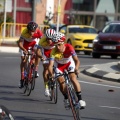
(32, 26)
(58, 37)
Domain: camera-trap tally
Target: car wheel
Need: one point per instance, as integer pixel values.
(114, 56)
(87, 52)
(95, 55)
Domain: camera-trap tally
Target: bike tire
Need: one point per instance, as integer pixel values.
(5, 114)
(29, 84)
(72, 101)
(33, 79)
(55, 91)
(50, 90)
(25, 85)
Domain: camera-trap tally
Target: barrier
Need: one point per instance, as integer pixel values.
(13, 31)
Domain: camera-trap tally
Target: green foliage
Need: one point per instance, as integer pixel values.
(8, 18)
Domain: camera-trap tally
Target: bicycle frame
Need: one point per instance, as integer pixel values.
(71, 95)
(30, 69)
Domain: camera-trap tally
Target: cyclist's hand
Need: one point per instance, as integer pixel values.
(77, 71)
(25, 52)
(42, 58)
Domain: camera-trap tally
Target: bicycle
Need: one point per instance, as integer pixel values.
(73, 100)
(53, 88)
(5, 114)
(29, 81)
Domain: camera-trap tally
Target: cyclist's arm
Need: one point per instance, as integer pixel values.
(77, 63)
(20, 44)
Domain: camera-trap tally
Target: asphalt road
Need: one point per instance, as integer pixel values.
(102, 97)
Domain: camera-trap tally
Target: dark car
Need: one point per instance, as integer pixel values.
(108, 41)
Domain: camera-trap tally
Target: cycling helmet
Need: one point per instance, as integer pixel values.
(32, 26)
(50, 33)
(58, 37)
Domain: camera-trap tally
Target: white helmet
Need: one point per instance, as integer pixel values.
(58, 37)
(49, 33)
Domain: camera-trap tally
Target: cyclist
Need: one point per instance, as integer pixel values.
(46, 45)
(65, 57)
(29, 37)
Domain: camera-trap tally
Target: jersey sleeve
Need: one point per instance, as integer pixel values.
(52, 54)
(72, 50)
(24, 35)
(38, 34)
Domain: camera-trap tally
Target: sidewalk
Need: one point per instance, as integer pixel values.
(9, 48)
(107, 71)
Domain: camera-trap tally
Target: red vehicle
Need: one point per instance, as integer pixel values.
(108, 41)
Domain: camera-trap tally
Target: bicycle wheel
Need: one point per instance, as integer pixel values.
(73, 100)
(29, 81)
(50, 90)
(33, 77)
(55, 89)
(25, 85)
(5, 114)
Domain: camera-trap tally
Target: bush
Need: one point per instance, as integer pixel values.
(8, 18)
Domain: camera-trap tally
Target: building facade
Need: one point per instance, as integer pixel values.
(89, 12)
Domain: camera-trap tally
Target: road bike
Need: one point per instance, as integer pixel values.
(5, 114)
(73, 100)
(29, 81)
(53, 88)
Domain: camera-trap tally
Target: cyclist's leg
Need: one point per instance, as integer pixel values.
(22, 66)
(37, 59)
(45, 77)
(76, 84)
(62, 87)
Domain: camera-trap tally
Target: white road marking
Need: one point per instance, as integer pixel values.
(99, 84)
(110, 107)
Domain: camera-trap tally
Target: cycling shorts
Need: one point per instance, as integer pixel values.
(46, 55)
(70, 66)
(33, 45)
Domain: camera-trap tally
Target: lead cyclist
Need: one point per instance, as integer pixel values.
(65, 57)
(29, 37)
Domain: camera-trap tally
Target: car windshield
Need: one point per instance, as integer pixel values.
(82, 30)
(112, 28)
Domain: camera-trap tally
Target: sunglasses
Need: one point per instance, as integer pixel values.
(59, 44)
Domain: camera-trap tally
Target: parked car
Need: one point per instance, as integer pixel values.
(80, 37)
(108, 41)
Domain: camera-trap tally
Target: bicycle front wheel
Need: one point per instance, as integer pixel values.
(33, 79)
(25, 85)
(29, 81)
(5, 114)
(73, 103)
(53, 88)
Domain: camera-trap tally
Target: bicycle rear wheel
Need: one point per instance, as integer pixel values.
(73, 103)
(5, 114)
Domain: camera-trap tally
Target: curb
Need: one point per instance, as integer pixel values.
(95, 72)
